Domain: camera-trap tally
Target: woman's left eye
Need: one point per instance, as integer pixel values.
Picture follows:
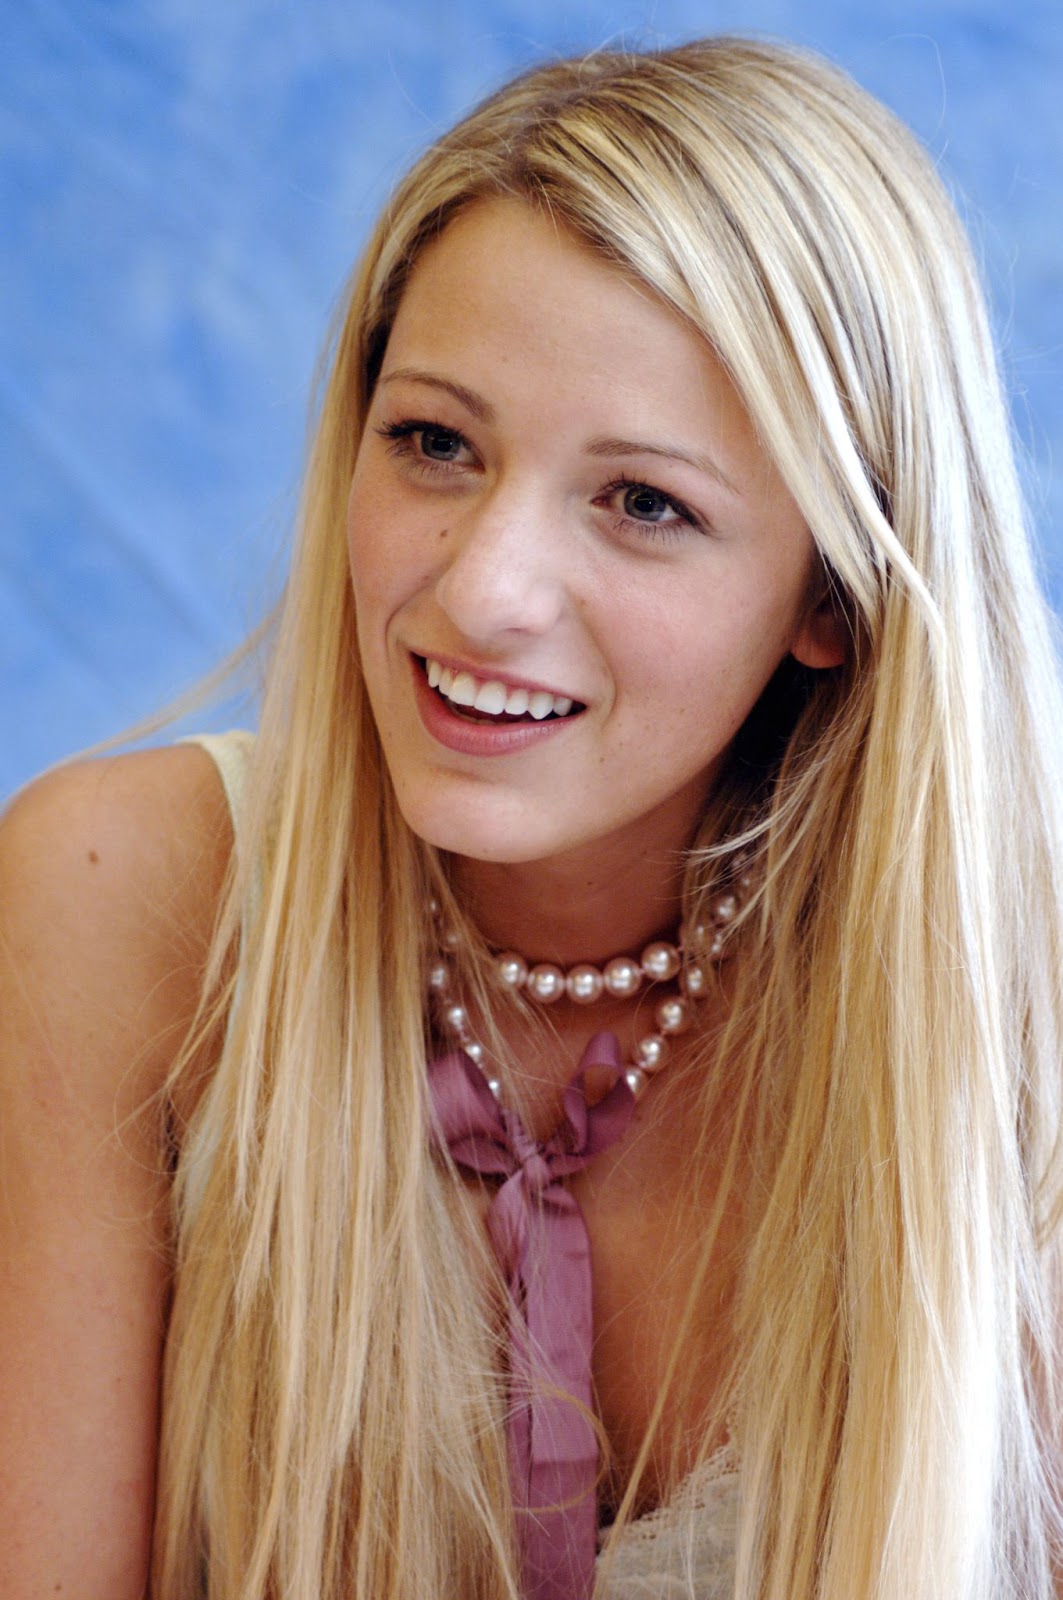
(647, 509)
(646, 504)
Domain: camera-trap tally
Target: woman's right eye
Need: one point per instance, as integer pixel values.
(425, 441)
(440, 444)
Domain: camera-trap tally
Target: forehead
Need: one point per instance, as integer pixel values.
(506, 280)
(513, 305)
(525, 249)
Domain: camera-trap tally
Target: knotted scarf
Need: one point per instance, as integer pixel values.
(540, 1241)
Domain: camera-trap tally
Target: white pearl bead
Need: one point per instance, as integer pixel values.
(455, 1018)
(495, 1086)
(651, 1052)
(475, 1051)
(660, 961)
(622, 977)
(694, 980)
(512, 969)
(546, 982)
(635, 1079)
(439, 977)
(673, 1015)
(584, 983)
(450, 938)
(725, 908)
(716, 944)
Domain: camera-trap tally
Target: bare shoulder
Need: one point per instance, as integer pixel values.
(163, 810)
(110, 875)
(111, 831)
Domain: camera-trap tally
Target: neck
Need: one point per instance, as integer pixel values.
(568, 910)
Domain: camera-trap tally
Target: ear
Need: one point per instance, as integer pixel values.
(822, 639)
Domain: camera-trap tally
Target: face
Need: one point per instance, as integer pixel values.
(574, 566)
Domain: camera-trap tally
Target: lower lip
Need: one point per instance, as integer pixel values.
(479, 738)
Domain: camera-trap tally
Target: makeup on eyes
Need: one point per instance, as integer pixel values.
(403, 433)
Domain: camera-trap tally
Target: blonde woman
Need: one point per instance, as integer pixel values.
(576, 1103)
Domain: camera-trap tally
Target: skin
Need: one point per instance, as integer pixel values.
(524, 383)
(109, 875)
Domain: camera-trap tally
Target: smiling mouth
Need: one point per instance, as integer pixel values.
(490, 700)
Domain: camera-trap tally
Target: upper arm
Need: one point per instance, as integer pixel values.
(109, 878)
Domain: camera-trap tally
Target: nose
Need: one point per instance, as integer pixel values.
(503, 568)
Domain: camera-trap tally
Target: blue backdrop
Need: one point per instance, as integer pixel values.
(183, 186)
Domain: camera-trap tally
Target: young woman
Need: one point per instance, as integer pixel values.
(588, 1076)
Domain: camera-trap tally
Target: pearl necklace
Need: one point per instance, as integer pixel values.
(622, 978)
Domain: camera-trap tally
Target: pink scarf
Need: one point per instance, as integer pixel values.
(541, 1244)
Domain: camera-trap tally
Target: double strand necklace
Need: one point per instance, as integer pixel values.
(535, 1225)
(684, 965)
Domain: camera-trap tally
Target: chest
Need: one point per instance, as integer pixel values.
(660, 1222)
(666, 1248)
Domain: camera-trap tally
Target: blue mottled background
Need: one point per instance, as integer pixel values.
(183, 186)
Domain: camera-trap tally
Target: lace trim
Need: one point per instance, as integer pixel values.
(685, 1549)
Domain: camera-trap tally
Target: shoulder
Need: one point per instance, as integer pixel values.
(91, 849)
(151, 804)
(110, 877)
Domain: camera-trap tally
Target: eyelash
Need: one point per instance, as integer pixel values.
(654, 530)
(400, 436)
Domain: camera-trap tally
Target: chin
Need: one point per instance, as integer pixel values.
(503, 841)
(481, 845)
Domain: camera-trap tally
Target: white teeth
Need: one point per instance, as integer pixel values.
(492, 697)
(463, 690)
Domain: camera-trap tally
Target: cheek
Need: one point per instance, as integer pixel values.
(710, 660)
(391, 553)
(371, 549)
(363, 514)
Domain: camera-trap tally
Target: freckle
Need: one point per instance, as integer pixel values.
(444, 533)
(94, 858)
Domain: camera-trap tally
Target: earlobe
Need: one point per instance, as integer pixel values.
(822, 639)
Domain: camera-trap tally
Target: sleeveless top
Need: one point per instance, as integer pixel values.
(685, 1550)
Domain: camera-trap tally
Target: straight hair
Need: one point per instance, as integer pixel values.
(333, 1416)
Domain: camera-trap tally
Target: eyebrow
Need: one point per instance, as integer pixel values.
(479, 408)
(475, 404)
(667, 452)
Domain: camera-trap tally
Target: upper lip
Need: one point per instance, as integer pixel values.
(492, 674)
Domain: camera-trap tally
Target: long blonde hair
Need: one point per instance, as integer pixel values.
(332, 1417)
